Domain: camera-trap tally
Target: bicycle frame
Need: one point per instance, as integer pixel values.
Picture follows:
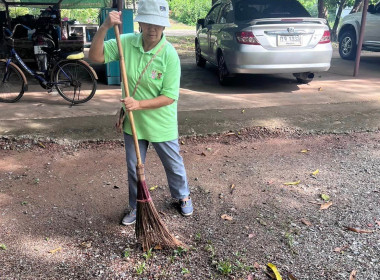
(41, 79)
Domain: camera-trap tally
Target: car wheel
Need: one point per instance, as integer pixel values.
(200, 61)
(222, 71)
(347, 45)
(304, 77)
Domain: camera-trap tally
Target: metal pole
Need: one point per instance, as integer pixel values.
(361, 35)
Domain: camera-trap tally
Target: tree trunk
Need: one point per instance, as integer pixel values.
(357, 5)
(341, 6)
(322, 11)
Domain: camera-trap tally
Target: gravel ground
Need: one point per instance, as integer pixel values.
(61, 203)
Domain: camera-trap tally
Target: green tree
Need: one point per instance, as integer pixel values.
(188, 11)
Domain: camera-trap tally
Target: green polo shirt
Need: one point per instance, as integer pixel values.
(162, 77)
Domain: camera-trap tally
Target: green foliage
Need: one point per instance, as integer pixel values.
(148, 255)
(126, 254)
(189, 11)
(224, 267)
(180, 251)
(185, 270)
(140, 268)
(81, 15)
(3, 247)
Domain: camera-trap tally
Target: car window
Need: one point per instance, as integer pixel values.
(227, 14)
(255, 9)
(212, 16)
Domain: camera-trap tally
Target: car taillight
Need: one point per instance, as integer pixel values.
(325, 38)
(246, 38)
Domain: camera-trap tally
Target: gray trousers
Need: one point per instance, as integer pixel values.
(172, 161)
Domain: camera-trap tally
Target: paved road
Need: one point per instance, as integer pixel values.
(334, 102)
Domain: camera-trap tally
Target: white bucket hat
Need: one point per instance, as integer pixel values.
(153, 12)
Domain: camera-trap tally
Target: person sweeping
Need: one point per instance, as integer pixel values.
(153, 77)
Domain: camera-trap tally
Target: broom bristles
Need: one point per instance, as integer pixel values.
(150, 229)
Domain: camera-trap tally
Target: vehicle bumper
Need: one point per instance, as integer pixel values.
(262, 61)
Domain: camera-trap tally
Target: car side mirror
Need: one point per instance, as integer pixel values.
(201, 22)
(371, 9)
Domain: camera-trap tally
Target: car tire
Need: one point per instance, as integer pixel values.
(223, 73)
(347, 45)
(199, 60)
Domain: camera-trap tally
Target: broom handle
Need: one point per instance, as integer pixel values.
(126, 90)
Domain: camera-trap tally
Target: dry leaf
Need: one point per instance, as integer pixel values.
(157, 247)
(232, 188)
(41, 145)
(353, 275)
(291, 277)
(358, 230)
(320, 89)
(86, 244)
(304, 151)
(273, 268)
(226, 217)
(203, 154)
(230, 133)
(153, 188)
(325, 206)
(55, 250)
(292, 183)
(315, 172)
(182, 142)
(306, 222)
(341, 249)
(256, 265)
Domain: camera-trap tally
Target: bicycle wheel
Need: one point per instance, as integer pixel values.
(11, 83)
(74, 81)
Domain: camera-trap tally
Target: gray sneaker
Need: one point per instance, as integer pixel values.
(130, 218)
(186, 207)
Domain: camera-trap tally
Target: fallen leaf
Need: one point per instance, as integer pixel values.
(203, 154)
(257, 265)
(320, 89)
(226, 217)
(304, 151)
(273, 268)
(153, 188)
(242, 111)
(358, 230)
(325, 197)
(232, 188)
(230, 133)
(353, 275)
(292, 183)
(182, 143)
(86, 244)
(250, 277)
(341, 249)
(325, 206)
(158, 247)
(55, 250)
(251, 235)
(315, 172)
(306, 222)
(41, 145)
(291, 277)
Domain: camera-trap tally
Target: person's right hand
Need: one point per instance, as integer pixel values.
(112, 19)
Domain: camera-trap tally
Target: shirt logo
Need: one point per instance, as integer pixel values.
(162, 8)
(155, 75)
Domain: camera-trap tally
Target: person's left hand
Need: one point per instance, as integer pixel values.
(130, 103)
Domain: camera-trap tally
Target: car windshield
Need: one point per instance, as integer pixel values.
(246, 10)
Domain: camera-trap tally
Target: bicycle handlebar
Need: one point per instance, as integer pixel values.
(11, 33)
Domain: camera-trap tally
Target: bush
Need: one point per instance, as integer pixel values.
(189, 11)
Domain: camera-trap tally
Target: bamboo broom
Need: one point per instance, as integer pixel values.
(149, 229)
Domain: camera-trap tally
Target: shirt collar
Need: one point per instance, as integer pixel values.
(137, 42)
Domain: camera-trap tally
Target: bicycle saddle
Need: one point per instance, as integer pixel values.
(73, 55)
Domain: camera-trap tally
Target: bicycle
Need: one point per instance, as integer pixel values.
(74, 79)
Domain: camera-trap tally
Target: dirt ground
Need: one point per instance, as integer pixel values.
(60, 208)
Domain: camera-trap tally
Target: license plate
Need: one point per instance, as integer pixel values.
(38, 50)
(293, 40)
